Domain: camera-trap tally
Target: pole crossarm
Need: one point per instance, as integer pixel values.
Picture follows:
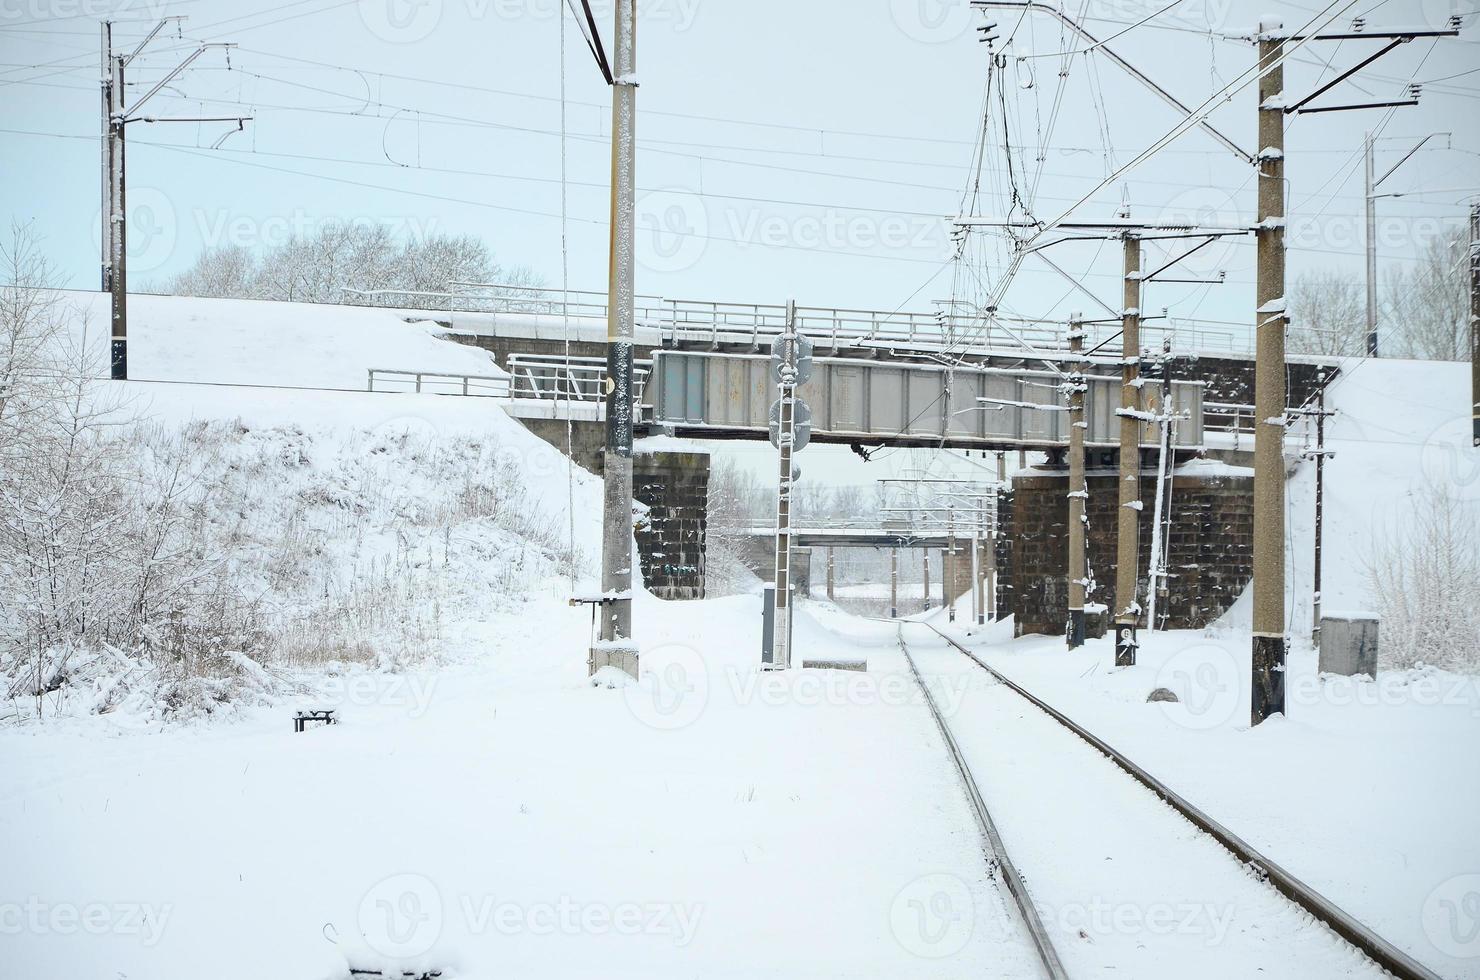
(127, 115)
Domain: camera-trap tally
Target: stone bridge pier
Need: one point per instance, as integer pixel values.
(673, 486)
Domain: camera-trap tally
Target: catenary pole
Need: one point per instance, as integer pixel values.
(105, 83)
(1127, 608)
(1269, 645)
(118, 236)
(1078, 489)
(1371, 243)
(616, 646)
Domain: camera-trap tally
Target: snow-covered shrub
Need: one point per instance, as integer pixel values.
(1424, 573)
(184, 568)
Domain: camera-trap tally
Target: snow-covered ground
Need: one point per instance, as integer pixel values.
(488, 812)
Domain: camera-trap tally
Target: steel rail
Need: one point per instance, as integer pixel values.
(996, 849)
(1379, 950)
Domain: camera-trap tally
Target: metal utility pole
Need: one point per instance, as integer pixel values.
(1319, 454)
(1161, 511)
(1269, 645)
(117, 114)
(1371, 241)
(615, 646)
(1127, 608)
(893, 583)
(1078, 488)
(1370, 200)
(790, 366)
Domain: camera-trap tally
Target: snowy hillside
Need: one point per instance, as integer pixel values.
(483, 810)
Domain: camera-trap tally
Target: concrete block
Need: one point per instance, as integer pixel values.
(1349, 644)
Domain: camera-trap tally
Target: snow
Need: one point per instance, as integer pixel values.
(490, 810)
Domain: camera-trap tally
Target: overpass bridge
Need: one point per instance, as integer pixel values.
(941, 379)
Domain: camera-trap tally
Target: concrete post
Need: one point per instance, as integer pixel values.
(925, 603)
(1078, 489)
(831, 563)
(1127, 607)
(1268, 688)
(616, 647)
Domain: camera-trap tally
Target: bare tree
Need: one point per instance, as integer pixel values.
(1425, 575)
(318, 268)
(30, 323)
(1327, 314)
(1428, 306)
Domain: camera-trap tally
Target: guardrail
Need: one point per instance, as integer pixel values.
(531, 376)
(952, 326)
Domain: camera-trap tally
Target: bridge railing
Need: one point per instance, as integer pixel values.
(531, 376)
(955, 326)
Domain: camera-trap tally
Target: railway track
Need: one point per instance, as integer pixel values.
(1362, 939)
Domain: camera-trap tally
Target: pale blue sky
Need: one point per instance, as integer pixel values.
(444, 116)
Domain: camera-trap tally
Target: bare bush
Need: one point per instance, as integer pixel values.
(1328, 314)
(316, 268)
(1424, 573)
(1428, 305)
